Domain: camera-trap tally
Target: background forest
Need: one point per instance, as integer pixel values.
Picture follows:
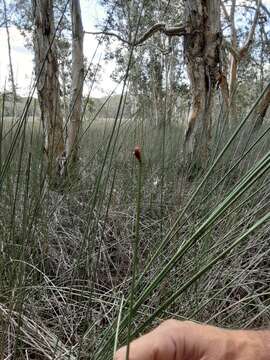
(98, 245)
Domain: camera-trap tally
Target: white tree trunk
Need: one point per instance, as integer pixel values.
(9, 51)
(74, 123)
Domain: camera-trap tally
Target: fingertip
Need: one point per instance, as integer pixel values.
(120, 354)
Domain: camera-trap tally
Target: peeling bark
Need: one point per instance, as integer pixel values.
(202, 56)
(46, 68)
(223, 84)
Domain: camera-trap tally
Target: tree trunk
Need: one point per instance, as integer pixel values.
(261, 110)
(202, 56)
(172, 83)
(46, 68)
(158, 93)
(241, 52)
(74, 123)
(233, 62)
(9, 52)
(156, 74)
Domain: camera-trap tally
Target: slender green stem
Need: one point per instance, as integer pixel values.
(117, 326)
(135, 254)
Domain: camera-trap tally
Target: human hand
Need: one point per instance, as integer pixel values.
(185, 340)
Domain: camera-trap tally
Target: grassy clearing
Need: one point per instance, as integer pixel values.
(67, 260)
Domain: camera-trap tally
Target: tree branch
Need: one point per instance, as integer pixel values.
(226, 14)
(107, 33)
(231, 49)
(176, 30)
(232, 20)
(265, 9)
(244, 49)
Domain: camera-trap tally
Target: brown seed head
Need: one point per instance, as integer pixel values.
(137, 153)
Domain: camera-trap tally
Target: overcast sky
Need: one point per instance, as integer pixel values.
(22, 58)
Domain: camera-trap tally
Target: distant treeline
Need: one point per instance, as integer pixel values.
(105, 109)
(108, 108)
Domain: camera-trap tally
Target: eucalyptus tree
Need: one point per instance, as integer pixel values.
(48, 87)
(52, 47)
(4, 12)
(198, 23)
(262, 56)
(246, 24)
(205, 42)
(148, 87)
(77, 77)
(238, 51)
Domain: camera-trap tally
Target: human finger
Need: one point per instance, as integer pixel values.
(159, 344)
